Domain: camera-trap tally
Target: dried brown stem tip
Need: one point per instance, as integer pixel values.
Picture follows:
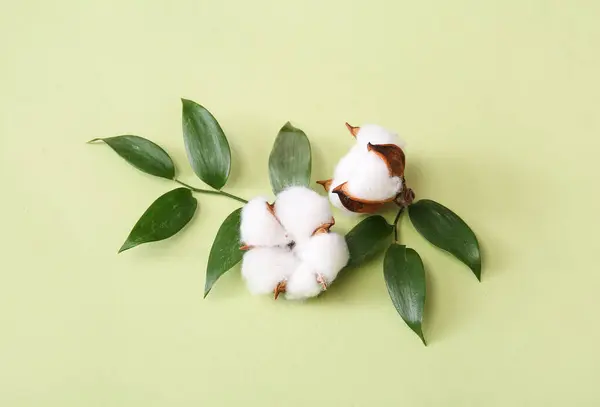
(279, 289)
(324, 228)
(326, 184)
(321, 280)
(405, 198)
(353, 130)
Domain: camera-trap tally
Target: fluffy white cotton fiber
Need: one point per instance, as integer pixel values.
(371, 179)
(326, 253)
(259, 227)
(302, 284)
(375, 134)
(301, 211)
(265, 267)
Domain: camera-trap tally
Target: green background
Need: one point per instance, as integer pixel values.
(498, 101)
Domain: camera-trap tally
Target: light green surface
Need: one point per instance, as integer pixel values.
(498, 100)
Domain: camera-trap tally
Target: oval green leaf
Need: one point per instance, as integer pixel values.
(446, 230)
(225, 251)
(367, 239)
(405, 280)
(205, 144)
(290, 159)
(142, 154)
(165, 217)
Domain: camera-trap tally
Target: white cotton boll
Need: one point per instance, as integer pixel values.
(371, 180)
(302, 284)
(375, 134)
(265, 267)
(326, 253)
(301, 211)
(348, 163)
(259, 227)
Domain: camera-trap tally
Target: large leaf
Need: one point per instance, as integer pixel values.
(290, 159)
(446, 230)
(165, 217)
(405, 280)
(206, 145)
(142, 154)
(367, 239)
(225, 252)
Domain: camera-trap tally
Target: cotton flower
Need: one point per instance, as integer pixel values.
(289, 245)
(371, 174)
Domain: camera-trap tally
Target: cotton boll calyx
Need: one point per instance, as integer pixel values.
(264, 268)
(260, 227)
(302, 284)
(326, 253)
(302, 211)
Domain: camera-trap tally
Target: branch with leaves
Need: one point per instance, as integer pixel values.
(367, 179)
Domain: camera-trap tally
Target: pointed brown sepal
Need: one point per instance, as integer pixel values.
(344, 188)
(392, 155)
(246, 247)
(353, 130)
(279, 289)
(355, 205)
(321, 280)
(326, 184)
(324, 228)
(271, 208)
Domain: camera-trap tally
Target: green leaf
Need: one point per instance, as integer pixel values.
(367, 239)
(165, 217)
(225, 251)
(290, 159)
(206, 145)
(444, 229)
(405, 281)
(142, 154)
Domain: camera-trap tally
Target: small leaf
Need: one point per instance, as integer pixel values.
(225, 251)
(367, 238)
(405, 280)
(206, 145)
(142, 154)
(165, 217)
(444, 229)
(290, 159)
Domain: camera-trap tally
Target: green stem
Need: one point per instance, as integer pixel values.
(396, 224)
(208, 191)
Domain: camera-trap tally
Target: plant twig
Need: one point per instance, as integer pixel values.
(395, 224)
(209, 191)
